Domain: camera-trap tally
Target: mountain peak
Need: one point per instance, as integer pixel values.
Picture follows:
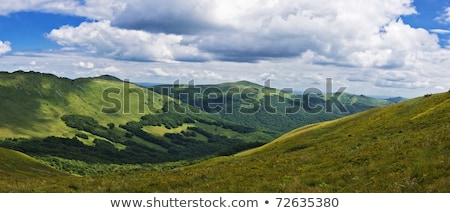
(108, 78)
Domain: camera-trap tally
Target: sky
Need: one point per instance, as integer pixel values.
(371, 47)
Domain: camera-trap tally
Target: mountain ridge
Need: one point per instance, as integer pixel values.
(251, 104)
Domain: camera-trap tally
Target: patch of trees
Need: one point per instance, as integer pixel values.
(180, 146)
(216, 144)
(169, 120)
(180, 139)
(89, 124)
(136, 129)
(189, 133)
(103, 151)
(201, 131)
(82, 135)
(228, 125)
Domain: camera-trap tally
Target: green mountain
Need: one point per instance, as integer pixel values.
(400, 148)
(104, 120)
(262, 107)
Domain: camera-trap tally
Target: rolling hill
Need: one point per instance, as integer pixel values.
(104, 120)
(400, 148)
(251, 104)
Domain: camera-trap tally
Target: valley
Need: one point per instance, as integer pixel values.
(106, 135)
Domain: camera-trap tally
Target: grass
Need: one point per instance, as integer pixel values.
(161, 130)
(18, 165)
(399, 148)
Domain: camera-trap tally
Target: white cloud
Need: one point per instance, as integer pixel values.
(439, 88)
(267, 76)
(111, 69)
(160, 72)
(395, 47)
(400, 84)
(5, 47)
(100, 38)
(445, 17)
(440, 31)
(350, 33)
(344, 33)
(186, 74)
(94, 9)
(206, 74)
(85, 65)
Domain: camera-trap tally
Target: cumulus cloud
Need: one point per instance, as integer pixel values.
(94, 9)
(344, 33)
(5, 47)
(100, 38)
(166, 16)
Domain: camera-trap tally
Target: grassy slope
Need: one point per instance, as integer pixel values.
(16, 164)
(399, 148)
(33, 103)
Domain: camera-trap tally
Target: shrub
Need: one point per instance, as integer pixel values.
(82, 135)
(111, 126)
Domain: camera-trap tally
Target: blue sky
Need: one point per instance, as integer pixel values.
(26, 30)
(379, 47)
(428, 13)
